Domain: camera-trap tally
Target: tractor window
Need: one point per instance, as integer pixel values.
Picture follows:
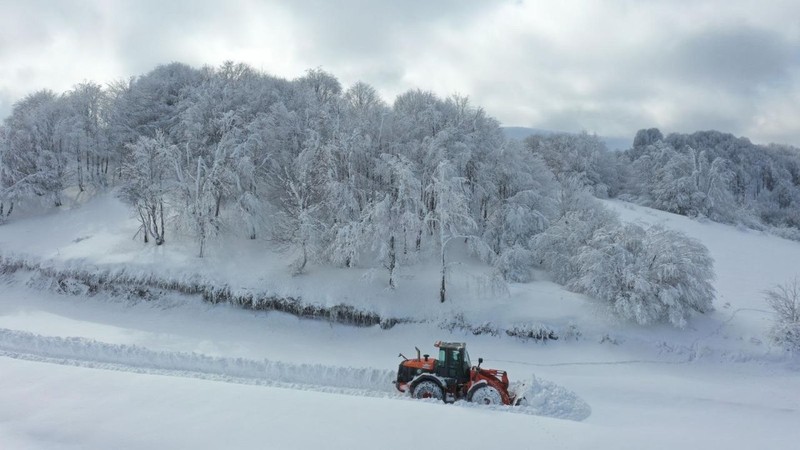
(467, 364)
(452, 363)
(455, 368)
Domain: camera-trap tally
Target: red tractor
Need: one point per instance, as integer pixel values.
(451, 377)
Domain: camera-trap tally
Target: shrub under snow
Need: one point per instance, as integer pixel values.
(785, 301)
(647, 275)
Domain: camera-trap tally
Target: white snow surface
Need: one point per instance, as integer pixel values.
(102, 372)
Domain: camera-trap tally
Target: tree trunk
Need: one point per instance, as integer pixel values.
(218, 204)
(158, 222)
(163, 229)
(145, 224)
(392, 261)
(443, 289)
(202, 225)
(80, 173)
(303, 262)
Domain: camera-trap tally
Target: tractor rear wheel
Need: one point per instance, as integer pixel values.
(427, 389)
(486, 395)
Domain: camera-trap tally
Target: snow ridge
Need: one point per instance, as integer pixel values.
(90, 353)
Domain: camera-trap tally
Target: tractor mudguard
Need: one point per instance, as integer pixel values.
(427, 376)
(475, 386)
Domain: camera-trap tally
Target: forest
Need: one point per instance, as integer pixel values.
(338, 176)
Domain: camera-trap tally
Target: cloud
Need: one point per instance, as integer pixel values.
(604, 66)
(739, 59)
(615, 67)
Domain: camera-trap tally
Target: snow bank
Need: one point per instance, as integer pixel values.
(90, 353)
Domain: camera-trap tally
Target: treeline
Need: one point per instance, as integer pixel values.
(337, 176)
(719, 176)
(705, 174)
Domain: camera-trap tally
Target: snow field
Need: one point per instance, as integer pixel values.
(144, 411)
(717, 384)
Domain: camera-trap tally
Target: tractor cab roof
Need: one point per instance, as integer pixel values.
(451, 345)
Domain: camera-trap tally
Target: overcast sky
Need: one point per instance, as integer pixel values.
(610, 67)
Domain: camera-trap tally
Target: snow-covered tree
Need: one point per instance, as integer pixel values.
(85, 128)
(250, 159)
(148, 175)
(784, 300)
(392, 221)
(647, 137)
(363, 101)
(579, 216)
(324, 86)
(35, 158)
(518, 203)
(578, 156)
(297, 196)
(150, 103)
(449, 216)
(222, 154)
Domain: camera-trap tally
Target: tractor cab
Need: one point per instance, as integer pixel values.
(453, 362)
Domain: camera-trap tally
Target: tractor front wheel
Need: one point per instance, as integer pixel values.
(427, 389)
(486, 395)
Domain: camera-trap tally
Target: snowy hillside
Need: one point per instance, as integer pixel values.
(97, 237)
(111, 370)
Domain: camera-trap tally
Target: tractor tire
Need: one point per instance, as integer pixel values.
(486, 395)
(427, 389)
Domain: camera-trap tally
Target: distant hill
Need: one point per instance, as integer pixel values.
(520, 133)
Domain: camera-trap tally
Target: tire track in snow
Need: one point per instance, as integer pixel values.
(590, 363)
(546, 399)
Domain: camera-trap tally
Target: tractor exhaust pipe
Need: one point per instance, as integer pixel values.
(418, 353)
